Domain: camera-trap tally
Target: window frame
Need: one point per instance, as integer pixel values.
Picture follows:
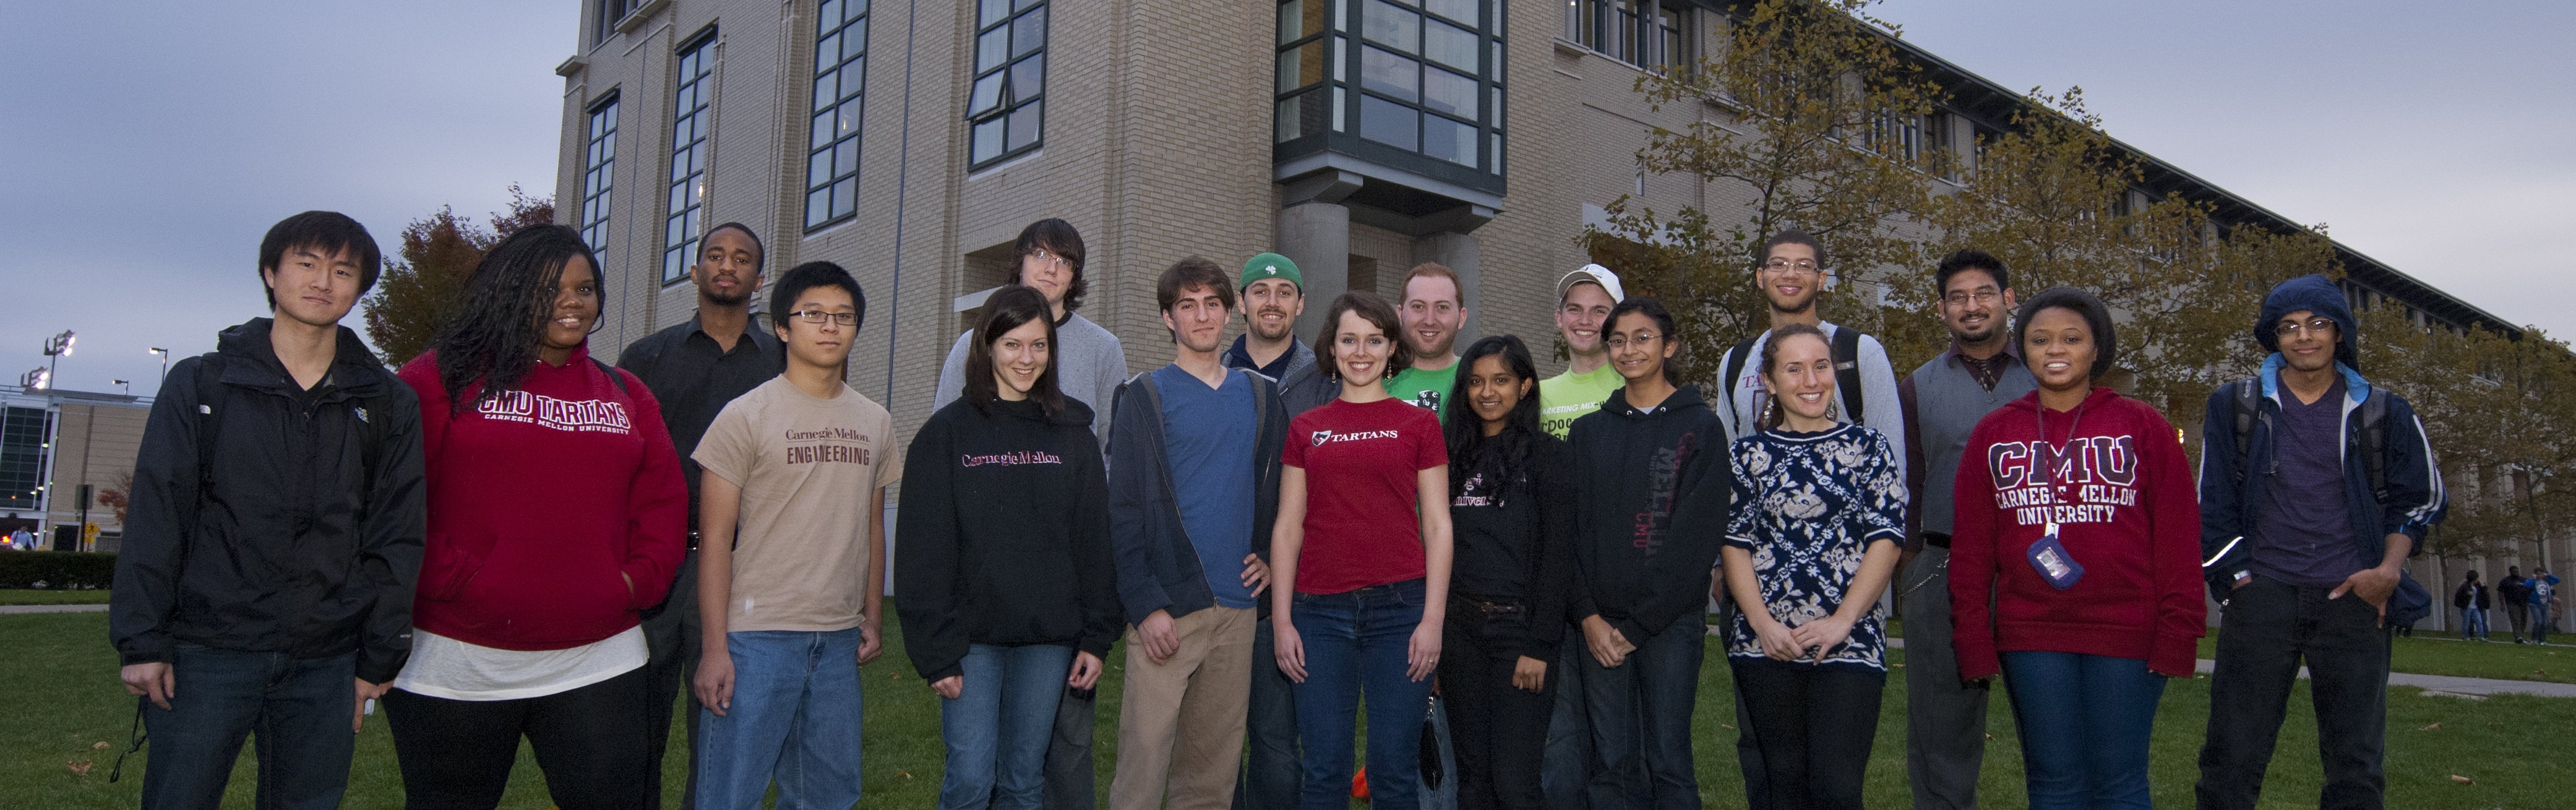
(839, 187)
(1617, 30)
(692, 94)
(599, 170)
(1334, 89)
(1007, 102)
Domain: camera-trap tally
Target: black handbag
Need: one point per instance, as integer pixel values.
(1429, 755)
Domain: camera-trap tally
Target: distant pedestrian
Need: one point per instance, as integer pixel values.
(2544, 591)
(2517, 599)
(2471, 599)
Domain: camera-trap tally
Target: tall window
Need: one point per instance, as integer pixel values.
(22, 456)
(611, 12)
(1008, 106)
(687, 218)
(598, 172)
(1639, 32)
(840, 73)
(1430, 76)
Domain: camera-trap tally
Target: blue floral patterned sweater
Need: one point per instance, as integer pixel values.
(1807, 506)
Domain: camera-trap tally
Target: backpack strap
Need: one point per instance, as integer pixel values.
(613, 376)
(1847, 372)
(1735, 360)
(2374, 441)
(2247, 394)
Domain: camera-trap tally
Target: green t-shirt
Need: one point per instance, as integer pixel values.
(1425, 388)
(1568, 396)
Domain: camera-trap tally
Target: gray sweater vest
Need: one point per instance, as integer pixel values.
(1948, 402)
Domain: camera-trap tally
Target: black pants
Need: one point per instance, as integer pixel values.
(672, 636)
(2267, 629)
(1498, 731)
(1814, 725)
(588, 741)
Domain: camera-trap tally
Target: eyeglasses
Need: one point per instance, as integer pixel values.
(1050, 258)
(1616, 342)
(1961, 298)
(2315, 326)
(1801, 266)
(819, 316)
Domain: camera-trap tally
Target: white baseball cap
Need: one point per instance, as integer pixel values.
(1596, 274)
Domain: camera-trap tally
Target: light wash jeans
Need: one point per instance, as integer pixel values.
(998, 728)
(795, 719)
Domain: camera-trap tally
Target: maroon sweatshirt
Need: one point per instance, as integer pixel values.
(2112, 475)
(539, 500)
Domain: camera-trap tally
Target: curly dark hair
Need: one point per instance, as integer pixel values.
(496, 332)
(1502, 457)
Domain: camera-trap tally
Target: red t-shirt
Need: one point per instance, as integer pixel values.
(1362, 465)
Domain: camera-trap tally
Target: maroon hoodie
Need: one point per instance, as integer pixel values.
(2121, 492)
(539, 500)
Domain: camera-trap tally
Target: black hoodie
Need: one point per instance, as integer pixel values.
(1650, 510)
(277, 542)
(1004, 535)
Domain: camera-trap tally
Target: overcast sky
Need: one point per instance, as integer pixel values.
(147, 145)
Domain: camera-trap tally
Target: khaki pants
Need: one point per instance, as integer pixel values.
(1181, 721)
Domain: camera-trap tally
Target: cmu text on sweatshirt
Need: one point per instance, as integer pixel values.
(2082, 481)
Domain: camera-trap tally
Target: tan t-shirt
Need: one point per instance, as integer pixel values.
(808, 469)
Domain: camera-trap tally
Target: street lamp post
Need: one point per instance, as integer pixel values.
(165, 360)
(125, 387)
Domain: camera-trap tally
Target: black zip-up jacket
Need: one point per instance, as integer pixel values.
(291, 549)
(1004, 535)
(1158, 568)
(1534, 519)
(1650, 510)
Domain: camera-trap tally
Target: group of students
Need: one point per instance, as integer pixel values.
(2527, 603)
(508, 539)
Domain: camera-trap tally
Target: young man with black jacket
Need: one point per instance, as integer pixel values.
(2305, 533)
(274, 538)
(1191, 499)
(695, 367)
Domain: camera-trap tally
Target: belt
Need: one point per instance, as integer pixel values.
(1489, 608)
(1936, 539)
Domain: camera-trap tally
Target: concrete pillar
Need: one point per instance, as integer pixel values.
(1317, 236)
(1458, 252)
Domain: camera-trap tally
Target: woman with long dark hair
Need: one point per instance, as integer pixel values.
(556, 516)
(1810, 545)
(1363, 484)
(2075, 560)
(1004, 582)
(1511, 503)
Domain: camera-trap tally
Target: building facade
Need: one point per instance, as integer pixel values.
(52, 444)
(911, 142)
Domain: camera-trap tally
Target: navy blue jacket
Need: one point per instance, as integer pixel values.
(1158, 569)
(2413, 499)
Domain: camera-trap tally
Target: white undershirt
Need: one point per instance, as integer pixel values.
(447, 668)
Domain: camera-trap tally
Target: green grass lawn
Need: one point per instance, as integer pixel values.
(63, 699)
(2430, 653)
(20, 596)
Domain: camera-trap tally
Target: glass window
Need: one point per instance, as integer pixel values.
(1639, 32)
(610, 13)
(840, 79)
(691, 116)
(1005, 108)
(1430, 76)
(598, 171)
(22, 456)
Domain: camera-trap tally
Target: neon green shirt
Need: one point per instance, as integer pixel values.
(1425, 388)
(1564, 397)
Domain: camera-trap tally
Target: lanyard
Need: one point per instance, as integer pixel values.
(2074, 421)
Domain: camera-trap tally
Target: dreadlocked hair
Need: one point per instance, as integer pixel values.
(1503, 457)
(495, 335)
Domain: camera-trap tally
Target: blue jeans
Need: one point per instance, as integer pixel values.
(998, 727)
(1356, 642)
(2473, 624)
(1641, 719)
(299, 708)
(795, 716)
(2540, 621)
(2085, 721)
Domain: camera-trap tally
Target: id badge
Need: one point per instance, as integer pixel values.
(2049, 557)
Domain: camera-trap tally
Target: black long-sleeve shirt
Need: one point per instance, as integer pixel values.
(1516, 543)
(1003, 538)
(1650, 512)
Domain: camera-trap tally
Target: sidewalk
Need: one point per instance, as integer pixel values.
(2433, 685)
(9, 609)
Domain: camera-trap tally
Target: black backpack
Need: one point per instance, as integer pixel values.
(1846, 348)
